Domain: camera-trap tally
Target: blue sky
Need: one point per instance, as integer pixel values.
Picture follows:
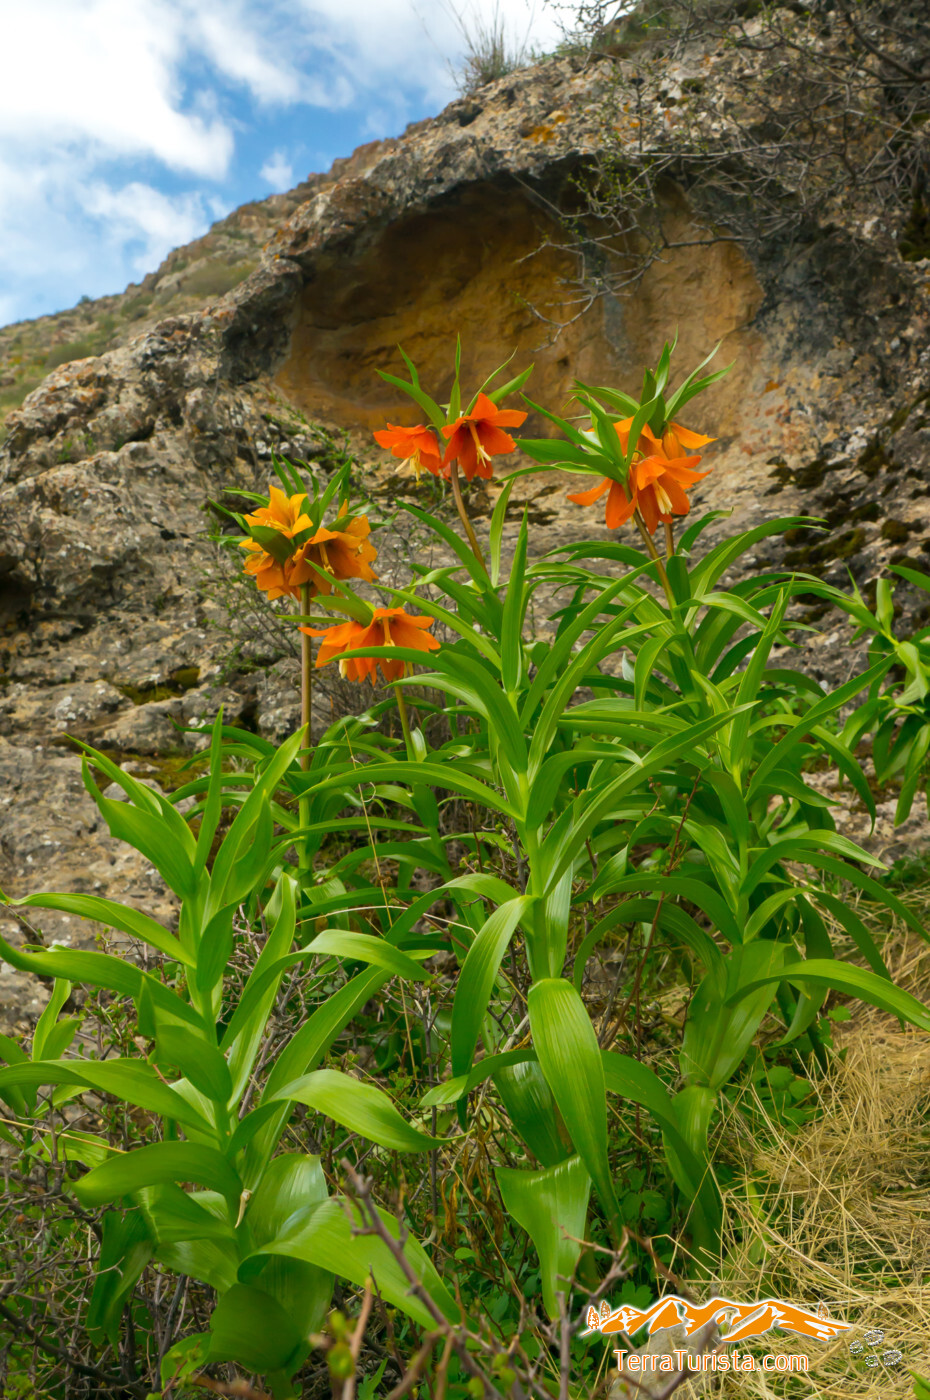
(127, 127)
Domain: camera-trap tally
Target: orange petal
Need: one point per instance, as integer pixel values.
(493, 439)
(687, 438)
(678, 497)
(649, 508)
(587, 498)
(619, 507)
(686, 475)
(457, 435)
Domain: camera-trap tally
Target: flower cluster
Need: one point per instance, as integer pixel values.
(473, 438)
(288, 552)
(388, 627)
(291, 552)
(659, 478)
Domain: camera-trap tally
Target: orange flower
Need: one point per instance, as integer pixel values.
(418, 446)
(389, 627)
(345, 553)
(340, 553)
(283, 513)
(478, 436)
(658, 481)
(270, 576)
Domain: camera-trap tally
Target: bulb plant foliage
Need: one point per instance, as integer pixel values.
(639, 767)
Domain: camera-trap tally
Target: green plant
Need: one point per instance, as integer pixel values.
(898, 716)
(70, 350)
(635, 782)
(216, 279)
(261, 1229)
(490, 53)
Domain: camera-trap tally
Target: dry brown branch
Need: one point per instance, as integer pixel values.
(776, 126)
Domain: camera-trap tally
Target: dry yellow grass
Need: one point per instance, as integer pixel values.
(839, 1211)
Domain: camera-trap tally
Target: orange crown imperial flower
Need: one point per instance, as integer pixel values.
(418, 446)
(659, 478)
(286, 514)
(340, 554)
(388, 627)
(476, 437)
(336, 553)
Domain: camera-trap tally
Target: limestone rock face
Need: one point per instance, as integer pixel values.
(111, 632)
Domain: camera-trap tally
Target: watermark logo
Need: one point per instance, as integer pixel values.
(734, 1322)
(745, 1319)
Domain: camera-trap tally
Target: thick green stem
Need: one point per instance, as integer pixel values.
(404, 721)
(654, 554)
(669, 539)
(460, 507)
(306, 698)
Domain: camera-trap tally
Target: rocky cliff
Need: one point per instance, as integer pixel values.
(112, 624)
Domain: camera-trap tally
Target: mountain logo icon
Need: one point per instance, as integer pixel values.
(736, 1320)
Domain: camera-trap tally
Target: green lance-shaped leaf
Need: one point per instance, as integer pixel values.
(228, 882)
(112, 915)
(240, 865)
(840, 977)
(512, 664)
(241, 1043)
(126, 1248)
(213, 805)
(442, 776)
(667, 751)
(780, 753)
(212, 1261)
(497, 529)
(454, 1089)
(694, 1107)
(160, 1162)
(175, 1216)
(412, 387)
(720, 1029)
(531, 1109)
(101, 970)
(477, 977)
(197, 1059)
(552, 1206)
(45, 1027)
(333, 1236)
(740, 751)
(305, 1050)
(571, 1061)
(362, 947)
(359, 1107)
(641, 1085)
(126, 1079)
(22, 1104)
(214, 949)
(291, 1183)
(252, 1328)
(162, 836)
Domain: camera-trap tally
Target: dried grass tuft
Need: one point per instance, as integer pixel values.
(839, 1212)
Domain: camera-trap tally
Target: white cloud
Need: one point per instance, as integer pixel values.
(121, 120)
(416, 44)
(242, 54)
(145, 220)
(103, 75)
(278, 172)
